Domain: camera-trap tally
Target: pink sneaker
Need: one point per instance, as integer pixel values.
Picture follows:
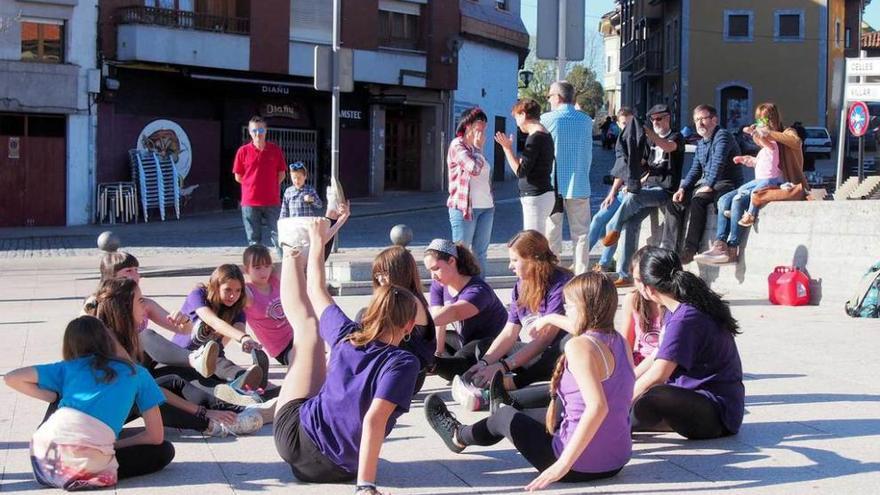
(717, 255)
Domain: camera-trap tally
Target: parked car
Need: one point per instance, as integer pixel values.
(818, 141)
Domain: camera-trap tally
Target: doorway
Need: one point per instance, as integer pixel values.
(402, 149)
(33, 170)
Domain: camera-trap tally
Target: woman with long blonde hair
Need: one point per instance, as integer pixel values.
(590, 437)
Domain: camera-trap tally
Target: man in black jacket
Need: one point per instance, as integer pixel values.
(655, 155)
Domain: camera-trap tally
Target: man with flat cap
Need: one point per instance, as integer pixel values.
(661, 174)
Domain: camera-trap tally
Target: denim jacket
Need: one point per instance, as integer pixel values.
(713, 161)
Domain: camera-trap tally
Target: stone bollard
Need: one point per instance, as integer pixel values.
(401, 235)
(108, 241)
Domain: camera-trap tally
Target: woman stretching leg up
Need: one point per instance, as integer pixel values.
(330, 423)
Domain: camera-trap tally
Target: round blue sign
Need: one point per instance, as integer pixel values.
(858, 119)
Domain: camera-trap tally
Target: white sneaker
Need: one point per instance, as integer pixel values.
(246, 422)
(204, 359)
(266, 410)
(471, 397)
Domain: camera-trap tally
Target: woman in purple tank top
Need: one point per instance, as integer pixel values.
(593, 381)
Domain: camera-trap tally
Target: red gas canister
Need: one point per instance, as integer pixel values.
(789, 286)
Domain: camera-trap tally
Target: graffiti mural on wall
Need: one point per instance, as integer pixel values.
(168, 139)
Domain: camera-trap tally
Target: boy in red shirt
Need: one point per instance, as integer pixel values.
(260, 168)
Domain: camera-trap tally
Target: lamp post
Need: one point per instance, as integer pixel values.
(525, 78)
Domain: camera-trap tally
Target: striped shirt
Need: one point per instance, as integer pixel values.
(572, 132)
(464, 162)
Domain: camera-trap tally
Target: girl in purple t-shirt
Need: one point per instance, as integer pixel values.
(464, 301)
(332, 417)
(694, 384)
(204, 360)
(522, 358)
(593, 381)
(396, 266)
(217, 312)
(119, 304)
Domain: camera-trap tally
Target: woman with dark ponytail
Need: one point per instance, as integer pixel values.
(694, 385)
(590, 438)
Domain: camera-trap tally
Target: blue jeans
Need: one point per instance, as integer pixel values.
(631, 230)
(631, 204)
(474, 233)
(597, 228)
(738, 201)
(254, 217)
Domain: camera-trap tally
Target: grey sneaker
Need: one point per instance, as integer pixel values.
(717, 255)
(229, 394)
(204, 359)
(247, 422)
(250, 380)
(498, 396)
(442, 421)
(266, 410)
(471, 397)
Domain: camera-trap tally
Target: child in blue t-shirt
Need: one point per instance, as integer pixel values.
(78, 446)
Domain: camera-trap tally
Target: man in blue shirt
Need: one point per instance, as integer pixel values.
(572, 132)
(712, 174)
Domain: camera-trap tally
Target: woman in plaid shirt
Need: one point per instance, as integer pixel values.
(471, 205)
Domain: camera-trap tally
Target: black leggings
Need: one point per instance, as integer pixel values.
(463, 359)
(527, 431)
(136, 460)
(139, 460)
(531, 397)
(688, 413)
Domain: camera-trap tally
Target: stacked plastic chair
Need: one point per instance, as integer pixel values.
(157, 180)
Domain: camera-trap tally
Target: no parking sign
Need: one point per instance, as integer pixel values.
(858, 119)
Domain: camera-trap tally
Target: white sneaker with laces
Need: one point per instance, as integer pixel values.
(246, 422)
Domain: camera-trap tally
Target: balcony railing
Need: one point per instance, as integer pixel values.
(627, 53)
(182, 19)
(648, 62)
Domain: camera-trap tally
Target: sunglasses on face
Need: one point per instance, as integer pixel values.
(658, 119)
(258, 130)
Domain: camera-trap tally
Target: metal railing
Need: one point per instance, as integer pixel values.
(182, 19)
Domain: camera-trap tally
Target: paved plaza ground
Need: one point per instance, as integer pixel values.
(811, 425)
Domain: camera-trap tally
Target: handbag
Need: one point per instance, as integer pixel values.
(559, 205)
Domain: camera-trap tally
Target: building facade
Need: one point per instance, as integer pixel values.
(609, 27)
(494, 43)
(184, 76)
(734, 55)
(48, 79)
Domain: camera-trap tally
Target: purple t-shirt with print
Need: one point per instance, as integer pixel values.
(553, 302)
(333, 419)
(196, 299)
(708, 361)
(490, 317)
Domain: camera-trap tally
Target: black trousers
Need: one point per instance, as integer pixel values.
(527, 431)
(136, 460)
(537, 371)
(688, 413)
(697, 206)
(531, 397)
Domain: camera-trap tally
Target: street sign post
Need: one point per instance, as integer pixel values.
(561, 35)
(858, 119)
(858, 92)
